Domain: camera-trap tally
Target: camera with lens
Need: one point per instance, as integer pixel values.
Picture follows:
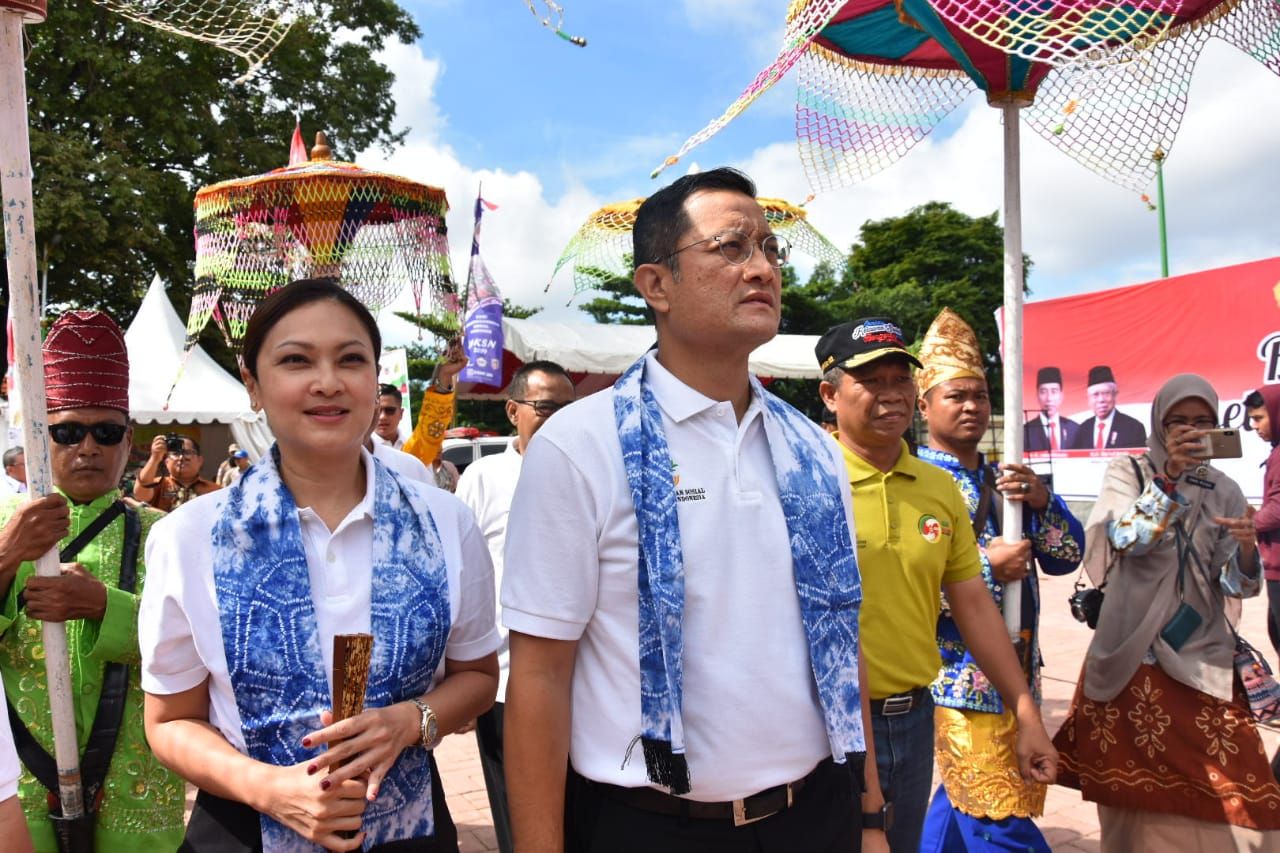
(173, 443)
(1086, 604)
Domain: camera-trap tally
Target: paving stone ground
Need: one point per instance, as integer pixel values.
(1069, 823)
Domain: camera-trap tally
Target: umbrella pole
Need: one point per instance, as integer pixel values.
(1012, 337)
(19, 235)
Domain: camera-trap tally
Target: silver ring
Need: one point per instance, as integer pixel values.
(1026, 487)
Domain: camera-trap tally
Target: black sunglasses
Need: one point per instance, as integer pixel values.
(542, 408)
(70, 432)
(389, 410)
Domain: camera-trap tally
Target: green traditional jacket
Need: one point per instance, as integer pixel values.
(143, 803)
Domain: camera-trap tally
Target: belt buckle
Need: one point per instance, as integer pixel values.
(740, 810)
(897, 705)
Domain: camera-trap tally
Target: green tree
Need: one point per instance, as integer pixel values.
(127, 122)
(620, 305)
(909, 268)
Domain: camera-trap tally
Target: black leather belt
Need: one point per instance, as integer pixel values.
(759, 806)
(900, 703)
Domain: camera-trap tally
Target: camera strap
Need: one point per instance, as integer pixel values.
(1106, 573)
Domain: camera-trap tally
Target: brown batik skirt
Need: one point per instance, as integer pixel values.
(1161, 746)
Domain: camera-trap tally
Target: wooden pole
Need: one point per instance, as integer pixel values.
(20, 242)
(1012, 337)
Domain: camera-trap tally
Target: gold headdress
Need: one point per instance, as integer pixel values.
(949, 351)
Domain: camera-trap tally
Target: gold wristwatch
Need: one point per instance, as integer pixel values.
(429, 726)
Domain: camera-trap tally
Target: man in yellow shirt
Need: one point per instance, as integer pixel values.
(914, 542)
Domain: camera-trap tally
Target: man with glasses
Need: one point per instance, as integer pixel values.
(136, 804)
(915, 541)
(680, 582)
(182, 483)
(386, 424)
(537, 391)
(1109, 428)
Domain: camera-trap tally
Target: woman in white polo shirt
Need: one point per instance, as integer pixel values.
(248, 585)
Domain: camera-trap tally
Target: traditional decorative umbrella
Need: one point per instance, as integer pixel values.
(374, 233)
(249, 30)
(601, 249)
(877, 75)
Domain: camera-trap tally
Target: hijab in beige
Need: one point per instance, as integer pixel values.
(1141, 593)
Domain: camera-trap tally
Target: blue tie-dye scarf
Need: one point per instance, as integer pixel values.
(823, 559)
(273, 645)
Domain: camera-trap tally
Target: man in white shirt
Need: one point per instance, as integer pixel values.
(386, 423)
(680, 581)
(537, 391)
(15, 472)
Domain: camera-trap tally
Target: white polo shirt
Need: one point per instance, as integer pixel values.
(9, 768)
(487, 487)
(404, 464)
(179, 630)
(751, 713)
(379, 440)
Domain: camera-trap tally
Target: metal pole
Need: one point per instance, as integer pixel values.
(1164, 237)
(19, 235)
(1012, 337)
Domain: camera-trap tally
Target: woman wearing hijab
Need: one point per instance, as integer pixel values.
(253, 582)
(1159, 734)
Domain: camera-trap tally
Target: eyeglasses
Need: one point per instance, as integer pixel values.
(71, 432)
(1198, 423)
(177, 454)
(389, 410)
(542, 408)
(737, 248)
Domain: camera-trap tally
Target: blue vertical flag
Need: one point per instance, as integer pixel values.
(482, 324)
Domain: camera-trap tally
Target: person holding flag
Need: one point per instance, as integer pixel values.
(136, 803)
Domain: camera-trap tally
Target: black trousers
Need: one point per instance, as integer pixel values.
(218, 825)
(489, 737)
(826, 818)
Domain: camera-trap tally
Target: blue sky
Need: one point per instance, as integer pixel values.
(555, 131)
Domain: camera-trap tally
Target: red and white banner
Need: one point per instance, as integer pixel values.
(1112, 350)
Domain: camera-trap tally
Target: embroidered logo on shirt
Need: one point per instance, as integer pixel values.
(931, 530)
(675, 472)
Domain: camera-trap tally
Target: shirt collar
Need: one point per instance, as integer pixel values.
(364, 509)
(860, 469)
(95, 506)
(678, 400)
(950, 461)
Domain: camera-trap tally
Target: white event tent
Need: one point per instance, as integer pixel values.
(602, 352)
(205, 393)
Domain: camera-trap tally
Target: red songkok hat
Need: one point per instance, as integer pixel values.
(86, 363)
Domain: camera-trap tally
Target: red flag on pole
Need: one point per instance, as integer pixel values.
(297, 148)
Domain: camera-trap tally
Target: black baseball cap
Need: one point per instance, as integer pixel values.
(861, 342)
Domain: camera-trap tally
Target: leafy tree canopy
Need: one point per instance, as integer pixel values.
(127, 122)
(909, 268)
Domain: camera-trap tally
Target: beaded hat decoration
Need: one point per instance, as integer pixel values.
(86, 363)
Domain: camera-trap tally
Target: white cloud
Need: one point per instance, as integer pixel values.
(1082, 232)
(520, 241)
